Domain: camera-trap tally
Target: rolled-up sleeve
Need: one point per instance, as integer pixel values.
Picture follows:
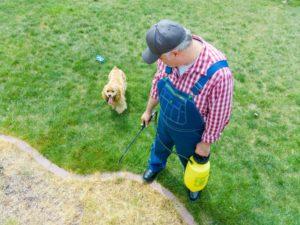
(220, 106)
(158, 75)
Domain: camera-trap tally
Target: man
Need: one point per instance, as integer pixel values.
(194, 87)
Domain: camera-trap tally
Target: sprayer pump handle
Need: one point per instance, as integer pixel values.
(201, 159)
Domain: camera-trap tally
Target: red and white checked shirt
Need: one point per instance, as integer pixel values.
(214, 101)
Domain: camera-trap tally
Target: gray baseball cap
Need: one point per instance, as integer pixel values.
(161, 38)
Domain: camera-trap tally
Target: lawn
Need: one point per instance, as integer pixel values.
(50, 88)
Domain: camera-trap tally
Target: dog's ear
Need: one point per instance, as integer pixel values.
(123, 75)
(118, 94)
(103, 93)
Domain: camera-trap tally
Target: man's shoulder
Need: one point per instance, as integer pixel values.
(215, 56)
(213, 53)
(210, 55)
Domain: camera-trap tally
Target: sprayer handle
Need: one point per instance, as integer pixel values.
(200, 159)
(153, 114)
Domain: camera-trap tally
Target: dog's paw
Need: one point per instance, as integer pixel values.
(120, 109)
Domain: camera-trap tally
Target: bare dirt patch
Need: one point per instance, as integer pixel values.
(31, 195)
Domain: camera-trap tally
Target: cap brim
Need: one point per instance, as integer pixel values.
(149, 57)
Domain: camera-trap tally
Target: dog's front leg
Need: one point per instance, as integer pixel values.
(122, 106)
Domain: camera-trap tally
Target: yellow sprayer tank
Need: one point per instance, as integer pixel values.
(196, 175)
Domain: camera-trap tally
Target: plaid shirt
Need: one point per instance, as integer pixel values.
(214, 101)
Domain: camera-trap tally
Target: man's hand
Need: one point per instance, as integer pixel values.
(203, 149)
(146, 118)
(147, 114)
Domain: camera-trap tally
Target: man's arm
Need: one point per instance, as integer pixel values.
(153, 99)
(220, 104)
(152, 102)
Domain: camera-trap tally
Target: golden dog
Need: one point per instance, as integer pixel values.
(114, 91)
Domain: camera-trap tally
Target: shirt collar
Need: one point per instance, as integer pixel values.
(200, 66)
(184, 68)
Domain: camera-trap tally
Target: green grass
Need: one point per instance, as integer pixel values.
(50, 89)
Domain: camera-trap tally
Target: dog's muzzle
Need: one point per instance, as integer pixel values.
(110, 100)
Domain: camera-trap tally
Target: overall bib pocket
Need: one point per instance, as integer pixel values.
(173, 105)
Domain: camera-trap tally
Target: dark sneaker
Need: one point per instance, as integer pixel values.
(193, 196)
(149, 175)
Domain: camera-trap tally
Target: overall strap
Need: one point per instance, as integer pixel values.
(209, 73)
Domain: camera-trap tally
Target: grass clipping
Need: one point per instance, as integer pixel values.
(33, 196)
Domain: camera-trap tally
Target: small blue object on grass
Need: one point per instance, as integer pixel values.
(100, 59)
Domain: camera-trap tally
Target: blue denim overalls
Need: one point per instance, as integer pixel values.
(180, 122)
